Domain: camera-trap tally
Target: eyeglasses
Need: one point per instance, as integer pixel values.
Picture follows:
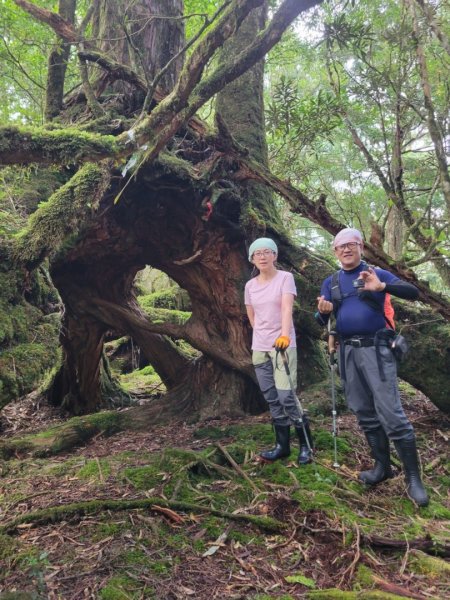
(261, 253)
(349, 245)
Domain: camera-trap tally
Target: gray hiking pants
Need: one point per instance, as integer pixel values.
(373, 401)
(275, 386)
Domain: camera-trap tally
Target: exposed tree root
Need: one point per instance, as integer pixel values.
(60, 513)
(427, 544)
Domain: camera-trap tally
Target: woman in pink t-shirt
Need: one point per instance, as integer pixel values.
(269, 300)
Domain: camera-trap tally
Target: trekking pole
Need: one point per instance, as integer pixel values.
(301, 412)
(333, 368)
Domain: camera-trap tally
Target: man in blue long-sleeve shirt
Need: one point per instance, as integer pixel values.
(367, 364)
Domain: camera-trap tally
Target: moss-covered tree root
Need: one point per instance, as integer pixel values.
(335, 594)
(56, 514)
(62, 438)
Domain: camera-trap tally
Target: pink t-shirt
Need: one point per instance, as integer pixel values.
(265, 299)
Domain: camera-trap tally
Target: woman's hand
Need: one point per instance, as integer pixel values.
(282, 342)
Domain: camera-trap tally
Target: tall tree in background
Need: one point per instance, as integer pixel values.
(158, 187)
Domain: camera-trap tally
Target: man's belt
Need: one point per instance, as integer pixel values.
(359, 341)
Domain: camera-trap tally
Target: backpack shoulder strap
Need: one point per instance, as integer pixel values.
(336, 294)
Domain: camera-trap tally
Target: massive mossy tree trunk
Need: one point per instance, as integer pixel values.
(163, 220)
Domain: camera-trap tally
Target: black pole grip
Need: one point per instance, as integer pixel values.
(286, 364)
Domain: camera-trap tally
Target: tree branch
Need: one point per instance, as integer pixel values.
(154, 83)
(318, 213)
(429, 15)
(61, 27)
(433, 126)
(176, 109)
(20, 145)
(117, 70)
(61, 512)
(91, 99)
(116, 317)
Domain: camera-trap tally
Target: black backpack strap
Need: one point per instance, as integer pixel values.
(336, 294)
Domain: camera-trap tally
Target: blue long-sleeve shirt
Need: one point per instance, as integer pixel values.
(355, 315)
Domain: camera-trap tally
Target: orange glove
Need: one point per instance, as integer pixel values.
(282, 342)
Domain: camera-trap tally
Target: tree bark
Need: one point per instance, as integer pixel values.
(433, 126)
(145, 37)
(57, 65)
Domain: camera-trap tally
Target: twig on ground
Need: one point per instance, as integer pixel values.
(234, 464)
(351, 569)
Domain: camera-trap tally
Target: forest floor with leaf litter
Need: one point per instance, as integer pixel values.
(337, 535)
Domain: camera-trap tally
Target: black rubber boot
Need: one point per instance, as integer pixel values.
(282, 447)
(305, 454)
(379, 445)
(407, 452)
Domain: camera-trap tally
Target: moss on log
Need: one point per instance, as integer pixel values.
(59, 219)
(67, 146)
(56, 514)
(61, 438)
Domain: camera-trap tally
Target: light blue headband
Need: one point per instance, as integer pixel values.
(260, 244)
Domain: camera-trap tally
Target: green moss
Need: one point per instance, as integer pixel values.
(433, 567)
(62, 216)
(165, 315)
(135, 557)
(145, 379)
(266, 597)
(118, 587)
(62, 469)
(324, 441)
(173, 299)
(161, 567)
(143, 478)
(245, 538)
(276, 473)
(335, 594)
(363, 577)
(94, 470)
(261, 433)
(236, 450)
(63, 146)
(8, 547)
(175, 458)
(105, 530)
(21, 369)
